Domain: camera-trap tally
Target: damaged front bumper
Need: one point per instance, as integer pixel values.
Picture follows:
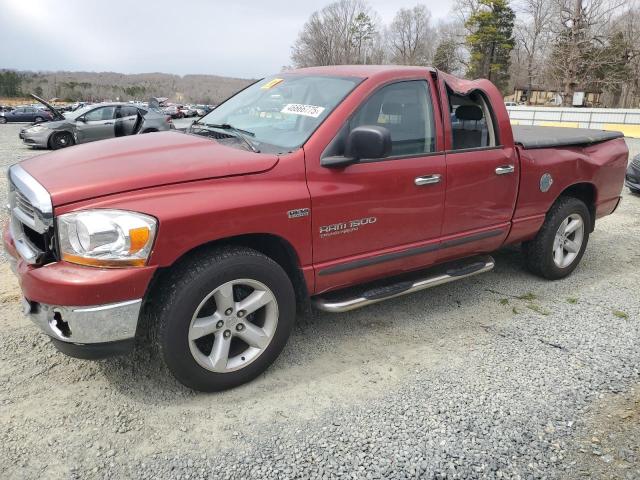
(88, 332)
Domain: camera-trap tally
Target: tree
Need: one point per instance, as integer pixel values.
(445, 57)
(342, 32)
(491, 41)
(533, 36)
(363, 32)
(410, 35)
(581, 32)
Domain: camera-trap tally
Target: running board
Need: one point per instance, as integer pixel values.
(342, 302)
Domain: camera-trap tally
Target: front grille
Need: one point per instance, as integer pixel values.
(23, 204)
(31, 223)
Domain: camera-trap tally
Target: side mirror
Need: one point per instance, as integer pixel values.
(82, 119)
(365, 142)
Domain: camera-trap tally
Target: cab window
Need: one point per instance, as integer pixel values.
(405, 109)
(472, 123)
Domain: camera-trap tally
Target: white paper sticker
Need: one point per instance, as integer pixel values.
(306, 110)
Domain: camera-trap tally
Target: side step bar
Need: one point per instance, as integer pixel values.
(444, 274)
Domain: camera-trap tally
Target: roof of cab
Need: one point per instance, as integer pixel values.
(361, 71)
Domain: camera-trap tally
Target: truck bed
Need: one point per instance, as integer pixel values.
(530, 136)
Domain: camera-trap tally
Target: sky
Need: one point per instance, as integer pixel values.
(237, 38)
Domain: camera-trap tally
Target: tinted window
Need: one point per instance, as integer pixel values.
(405, 109)
(471, 122)
(102, 113)
(127, 111)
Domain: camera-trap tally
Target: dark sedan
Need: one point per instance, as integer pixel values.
(26, 114)
(632, 179)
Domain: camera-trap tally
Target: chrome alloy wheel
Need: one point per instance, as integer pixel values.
(233, 325)
(568, 240)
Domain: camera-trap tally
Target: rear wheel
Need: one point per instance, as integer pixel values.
(560, 244)
(3, 120)
(225, 319)
(61, 140)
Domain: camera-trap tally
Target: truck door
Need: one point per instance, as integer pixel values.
(482, 178)
(380, 217)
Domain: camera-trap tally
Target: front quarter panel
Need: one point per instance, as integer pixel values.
(195, 213)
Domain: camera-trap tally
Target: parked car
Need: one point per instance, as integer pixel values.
(189, 111)
(202, 110)
(173, 111)
(213, 239)
(5, 108)
(510, 104)
(26, 114)
(93, 122)
(632, 179)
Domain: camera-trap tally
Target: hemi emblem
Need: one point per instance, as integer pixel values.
(297, 213)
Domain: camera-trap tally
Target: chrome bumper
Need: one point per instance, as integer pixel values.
(92, 324)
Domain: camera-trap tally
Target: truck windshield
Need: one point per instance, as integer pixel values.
(279, 113)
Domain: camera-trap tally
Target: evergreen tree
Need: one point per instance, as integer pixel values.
(491, 41)
(446, 56)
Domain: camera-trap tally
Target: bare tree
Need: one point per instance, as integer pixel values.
(533, 34)
(581, 30)
(343, 32)
(410, 36)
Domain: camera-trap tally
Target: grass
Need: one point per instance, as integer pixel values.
(621, 314)
(515, 310)
(504, 301)
(527, 296)
(572, 300)
(537, 309)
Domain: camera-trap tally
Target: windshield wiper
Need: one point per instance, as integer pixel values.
(241, 134)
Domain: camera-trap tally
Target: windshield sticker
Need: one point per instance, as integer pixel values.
(306, 110)
(272, 83)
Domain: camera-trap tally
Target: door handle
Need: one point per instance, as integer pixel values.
(108, 123)
(427, 180)
(504, 169)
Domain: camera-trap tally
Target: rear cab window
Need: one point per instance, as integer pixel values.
(472, 122)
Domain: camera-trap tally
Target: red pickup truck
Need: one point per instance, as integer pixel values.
(336, 187)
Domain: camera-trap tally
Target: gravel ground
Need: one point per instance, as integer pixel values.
(498, 376)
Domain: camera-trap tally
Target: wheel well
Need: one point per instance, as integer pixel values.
(274, 247)
(585, 192)
(149, 130)
(56, 132)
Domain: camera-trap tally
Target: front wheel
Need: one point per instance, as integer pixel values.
(61, 140)
(225, 319)
(560, 244)
(3, 120)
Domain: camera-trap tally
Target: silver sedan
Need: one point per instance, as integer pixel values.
(94, 122)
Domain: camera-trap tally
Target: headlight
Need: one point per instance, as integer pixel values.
(35, 129)
(106, 238)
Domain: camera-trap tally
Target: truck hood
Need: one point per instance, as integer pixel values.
(139, 161)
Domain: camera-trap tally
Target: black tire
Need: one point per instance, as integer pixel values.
(61, 140)
(189, 284)
(3, 120)
(634, 191)
(38, 119)
(149, 130)
(538, 253)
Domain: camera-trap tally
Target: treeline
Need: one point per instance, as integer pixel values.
(92, 86)
(560, 46)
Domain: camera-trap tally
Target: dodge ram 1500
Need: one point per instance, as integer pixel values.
(336, 187)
